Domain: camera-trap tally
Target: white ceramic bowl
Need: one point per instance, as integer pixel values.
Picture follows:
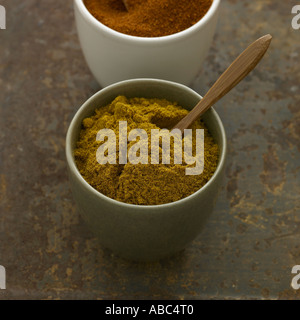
(113, 56)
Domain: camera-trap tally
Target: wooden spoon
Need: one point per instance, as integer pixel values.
(237, 71)
(126, 5)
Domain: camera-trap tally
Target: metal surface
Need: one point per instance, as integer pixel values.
(251, 242)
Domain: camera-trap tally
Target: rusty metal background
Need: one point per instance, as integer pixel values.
(251, 242)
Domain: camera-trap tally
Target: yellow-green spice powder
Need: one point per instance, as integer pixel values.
(141, 184)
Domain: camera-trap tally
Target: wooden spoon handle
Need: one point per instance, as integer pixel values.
(237, 71)
(126, 4)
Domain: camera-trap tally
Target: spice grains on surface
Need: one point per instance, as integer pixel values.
(148, 18)
(141, 184)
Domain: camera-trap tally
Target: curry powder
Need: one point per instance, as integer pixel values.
(141, 184)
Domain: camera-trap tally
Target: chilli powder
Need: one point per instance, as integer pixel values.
(148, 18)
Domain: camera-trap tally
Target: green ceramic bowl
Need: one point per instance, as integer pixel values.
(145, 233)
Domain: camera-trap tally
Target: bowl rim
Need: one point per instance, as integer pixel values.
(146, 40)
(78, 115)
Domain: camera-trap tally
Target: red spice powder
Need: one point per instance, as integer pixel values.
(148, 18)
